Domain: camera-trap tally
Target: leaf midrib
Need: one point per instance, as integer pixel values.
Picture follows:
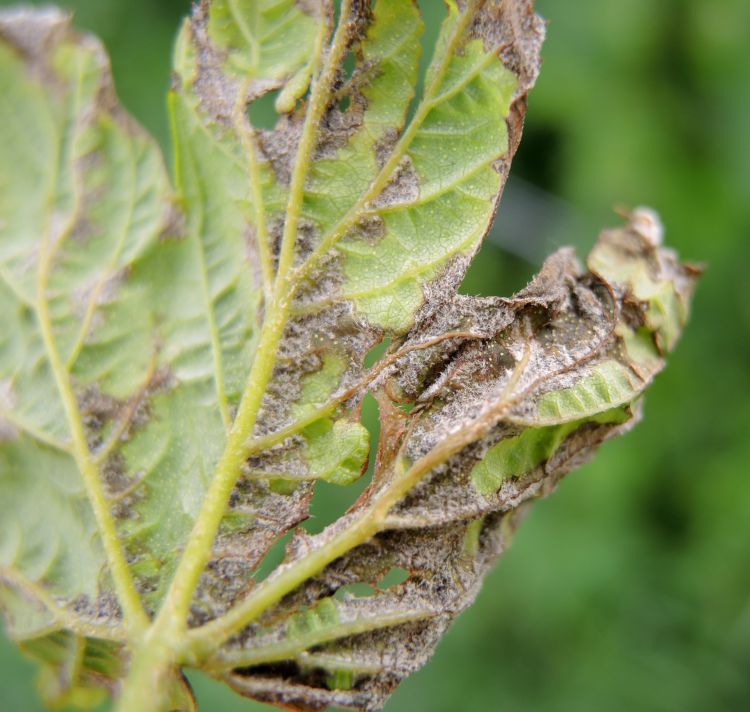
(172, 618)
(386, 173)
(136, 618)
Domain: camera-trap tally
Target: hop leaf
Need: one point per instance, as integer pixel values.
(183, 359)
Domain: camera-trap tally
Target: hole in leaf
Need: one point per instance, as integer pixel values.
(344, 92)
(358, 590)
(394, 577)
(261, 111)
(495, 271)
(212, 694)
(331, 501)
(377, 352)
(433, 14)
(274, 556)
(336, 12)
(349, 65)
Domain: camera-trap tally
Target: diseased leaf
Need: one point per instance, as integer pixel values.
(530, 389)
(179, 366)
(353, 242)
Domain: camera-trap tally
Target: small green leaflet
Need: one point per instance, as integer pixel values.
(183, 358)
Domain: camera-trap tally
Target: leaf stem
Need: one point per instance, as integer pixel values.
(102, 453)
(247, 35)
(268, 441)
(108, 272)
(168, 642)
(147, 687)
(213, 328)
(198, 548)
(360, 527)
(34, 432)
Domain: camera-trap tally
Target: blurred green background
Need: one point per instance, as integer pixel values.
(629, 589)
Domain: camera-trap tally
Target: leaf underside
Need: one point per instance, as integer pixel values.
(174, 345)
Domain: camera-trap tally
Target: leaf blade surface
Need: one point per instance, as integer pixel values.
(194, 360)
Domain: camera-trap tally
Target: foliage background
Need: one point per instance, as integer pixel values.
(630, 587)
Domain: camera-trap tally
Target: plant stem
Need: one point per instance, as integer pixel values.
(148, 684)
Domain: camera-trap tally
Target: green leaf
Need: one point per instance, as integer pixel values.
(517, 456)
(182, 361)
(83, 198)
